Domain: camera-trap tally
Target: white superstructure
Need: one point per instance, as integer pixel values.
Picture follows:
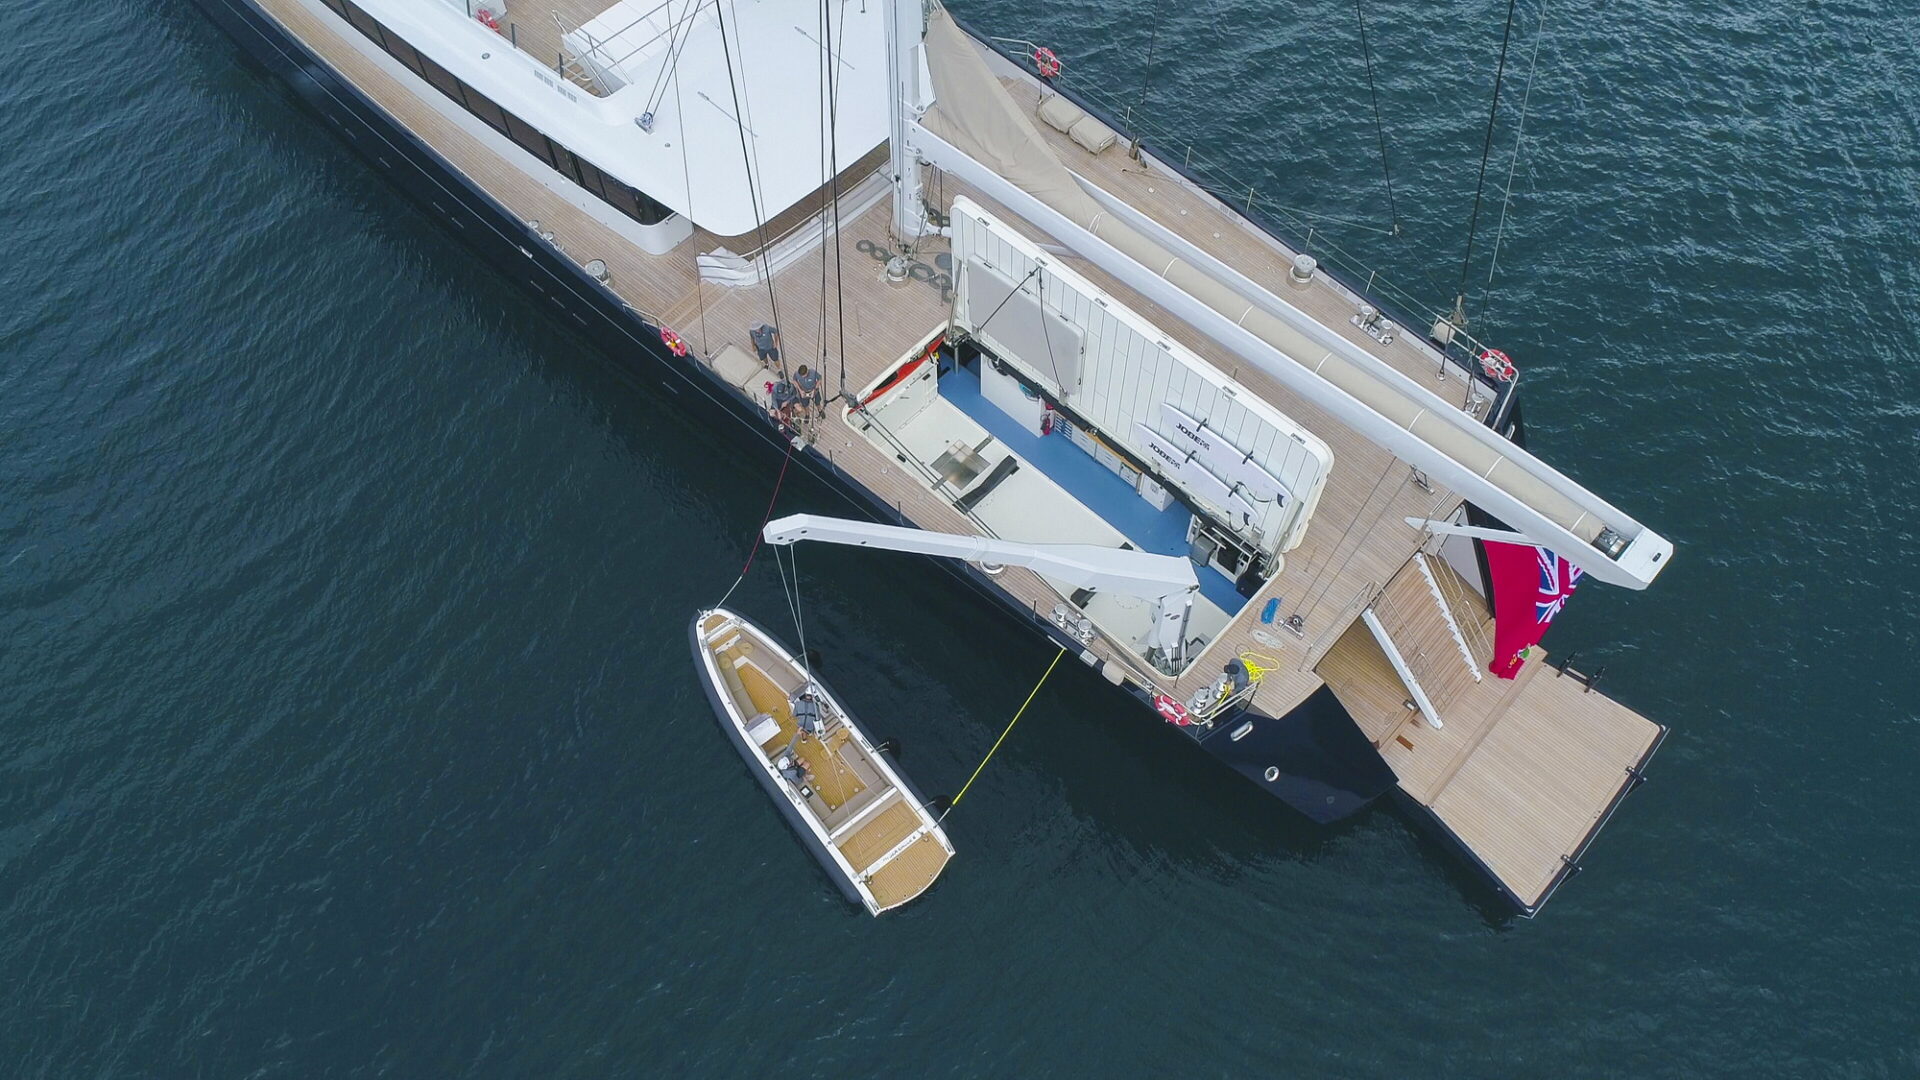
(708, 74)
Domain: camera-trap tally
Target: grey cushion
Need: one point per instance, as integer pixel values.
(739, 369)
(1092, 135)
(1059, 113)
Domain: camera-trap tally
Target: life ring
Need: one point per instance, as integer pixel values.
(1046, 62)
(672, 341)
(488, 19)
(1497, 365)
(1172, 711)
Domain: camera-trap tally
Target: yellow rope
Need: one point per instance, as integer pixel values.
(1004, 734)
(1258, 664)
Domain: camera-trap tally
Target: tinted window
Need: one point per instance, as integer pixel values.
(483, 107)
(529, 139)
(362, 21)
(440, 78)
(623, 198)
(590, 177)
(568, 165)
(402, 51)
(339, 6)
(651, 212)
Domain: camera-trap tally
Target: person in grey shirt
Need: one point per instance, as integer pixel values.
(766, 342)
(806, 712)
(807, 381)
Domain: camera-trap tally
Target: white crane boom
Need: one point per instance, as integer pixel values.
(1086, 566)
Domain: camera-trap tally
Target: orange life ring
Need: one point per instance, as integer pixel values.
(1046, 62)
(488, 19)
(672, 341)
(1172, 711)
(1497, 365)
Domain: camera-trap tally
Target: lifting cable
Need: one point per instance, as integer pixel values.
(841, 771)
(1003, 735)
(1486, 150)
(1379, 128)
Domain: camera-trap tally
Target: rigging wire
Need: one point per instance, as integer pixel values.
(1310, 599)
(747, 158)
(982, 325)
(1003, 735)
(1519, 139)
(826, 168)
(1379, 128)
(686, 178)
(676, 40)
(833, 142)
(1486, 150)
(1146, 70)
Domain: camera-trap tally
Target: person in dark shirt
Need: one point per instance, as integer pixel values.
(785, 397)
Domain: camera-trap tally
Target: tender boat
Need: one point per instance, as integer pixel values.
(868, 827)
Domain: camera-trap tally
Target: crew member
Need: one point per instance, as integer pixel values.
(807, 381)
(766, 342)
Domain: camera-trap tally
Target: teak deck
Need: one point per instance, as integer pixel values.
(1523, 770)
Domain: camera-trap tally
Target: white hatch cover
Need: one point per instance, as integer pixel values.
(1205, 434)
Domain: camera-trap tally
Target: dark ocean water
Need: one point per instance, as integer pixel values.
(348, 725)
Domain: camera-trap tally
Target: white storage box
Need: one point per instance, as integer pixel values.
(1157, 497)
(762, 730)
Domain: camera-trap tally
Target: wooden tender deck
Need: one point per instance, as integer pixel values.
(1514, 802)
(869, 825)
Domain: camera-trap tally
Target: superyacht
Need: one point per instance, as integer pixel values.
(917, 263)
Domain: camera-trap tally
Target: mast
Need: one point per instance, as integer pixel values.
(906, 25)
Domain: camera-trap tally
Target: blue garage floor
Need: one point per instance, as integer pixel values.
(1163, 532)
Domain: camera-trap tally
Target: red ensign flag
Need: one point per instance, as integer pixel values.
(1530, 586)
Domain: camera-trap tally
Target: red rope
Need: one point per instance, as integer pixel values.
(760, 533)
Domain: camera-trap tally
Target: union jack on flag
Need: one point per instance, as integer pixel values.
(1557, 579)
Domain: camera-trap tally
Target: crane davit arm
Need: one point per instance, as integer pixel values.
(1086, 566)
(1168, 579)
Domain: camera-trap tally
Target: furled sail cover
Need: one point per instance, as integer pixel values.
(976, 115)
